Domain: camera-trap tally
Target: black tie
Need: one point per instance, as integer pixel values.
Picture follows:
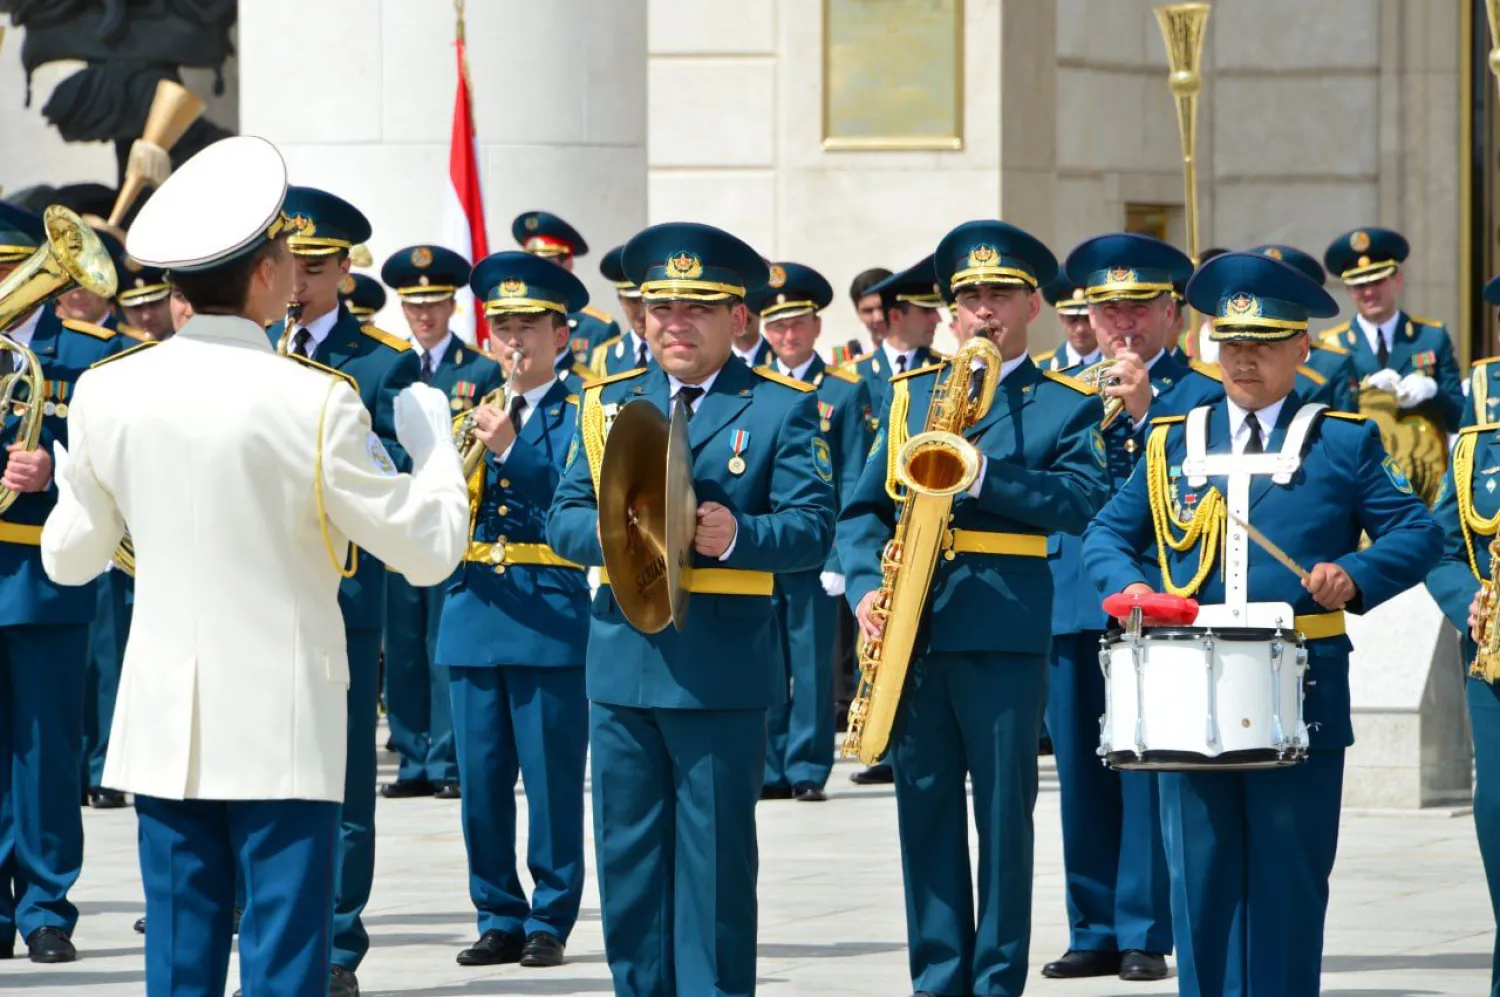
(1254, 444)
(427, 368)
(1383, 354)
(642, 355)
(689, 393)
(901, 364)
(517, 409)
(299, 343)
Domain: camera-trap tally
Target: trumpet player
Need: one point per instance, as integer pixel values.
(974, 692)
(425, 279)
(44, 630)
(1408, 356)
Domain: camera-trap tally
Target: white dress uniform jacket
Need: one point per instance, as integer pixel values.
(235, 671)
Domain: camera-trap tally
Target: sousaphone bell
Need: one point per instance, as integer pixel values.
(648, 514)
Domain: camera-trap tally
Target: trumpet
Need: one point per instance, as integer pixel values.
(1098, 375)
(293, 313)
(470, 446)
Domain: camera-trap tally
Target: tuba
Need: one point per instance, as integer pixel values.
(934, 466)
(73, 255)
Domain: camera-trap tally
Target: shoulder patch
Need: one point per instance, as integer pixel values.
(385, 338)
(89, 329)
(323, 369)
(1168, 420)
(1311, 374)
(780, 378)
(1211, 370)
(1426, 321)
(124, 353)
(843, 374)
(1347, 416)
(1070, 382)
(623, 376)
(593, 312)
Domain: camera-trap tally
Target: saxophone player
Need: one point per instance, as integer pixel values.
(974, 694)
(514, 626)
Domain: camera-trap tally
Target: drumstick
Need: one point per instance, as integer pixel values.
(1265, 544)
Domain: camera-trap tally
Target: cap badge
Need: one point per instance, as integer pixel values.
(424, 280)
(300, 225)
(1359, 241)
(531, 223)
(684, 266)
(346, 286)
(1121, 275)
(512, 287)
(1077, 294)
(1273, 252)
(982, 256)
(1364, 261)
(132, 264)
(781, 299)
(421, 257)
(1242, 305)
(778, 276)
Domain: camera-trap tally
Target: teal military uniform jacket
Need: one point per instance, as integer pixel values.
(1482, 406)
(618, 355)
(465, 375)
(1420, 346)
(1345, 487)
(572, 373)
(761, 356)
(728, 657)
(533, 615)
(382, 366)
(1045, 474)
(1330, 361)
(1453, 582)
(875, 370)
(27, 595)
(587, 328)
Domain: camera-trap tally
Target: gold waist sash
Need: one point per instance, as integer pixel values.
(1012, 544)
(721, 581)
(508, 553)
(1317, 626)
(18, 533)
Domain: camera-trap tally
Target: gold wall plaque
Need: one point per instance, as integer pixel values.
(893, 74)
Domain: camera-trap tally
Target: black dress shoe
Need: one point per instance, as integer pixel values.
(448, 791)
(542, 949)
(1075, 965)
(776, 792)
(341, 983)
(1140, 967)
(875, 775)
(494, 948)
(50, 944)
(140, 925)
(807, 792)
(406, 789)
(106, 799)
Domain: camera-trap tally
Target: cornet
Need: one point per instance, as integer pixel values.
(471, 447)
(293, 313)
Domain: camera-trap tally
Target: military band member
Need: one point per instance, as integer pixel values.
(627, 350)
(1391, 350)
(678, 719)
(626, 293)
(362, 296)
(867, 303)
(381, 365)
(426, 278)
(144, 298)
(515, 622)
(750, 347)
(1251, 851)
(910, 304)
(1466, 511)
(541, 233)
(230, 731)
(1328, 375)
(1482, 405)
(1177, 327)
(799, 739)
(1080, 345)
(44, 635)
(975, 688)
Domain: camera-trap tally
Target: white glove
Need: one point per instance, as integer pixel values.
(423, 422)
(1384, 380)
(833, 583)
(1415, 389)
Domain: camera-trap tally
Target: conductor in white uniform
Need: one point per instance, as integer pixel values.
(244, 477)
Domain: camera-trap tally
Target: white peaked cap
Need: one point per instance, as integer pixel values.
(220, 204)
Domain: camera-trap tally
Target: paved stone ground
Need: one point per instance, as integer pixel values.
(1409, 915)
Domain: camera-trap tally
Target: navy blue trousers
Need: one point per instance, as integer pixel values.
(531, 722)
(799, 735)
(190, 850)
(674, 831)
(41, 747)
(975, 716)
(1116, 884)
(355, 868)
(1484, 718)
(416, 689)
(1250, 856)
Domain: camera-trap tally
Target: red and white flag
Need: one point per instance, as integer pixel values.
(463, 200)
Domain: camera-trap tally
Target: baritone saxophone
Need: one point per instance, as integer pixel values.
(934, 466)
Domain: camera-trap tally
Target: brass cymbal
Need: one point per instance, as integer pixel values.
(682, 514)
(633, 514)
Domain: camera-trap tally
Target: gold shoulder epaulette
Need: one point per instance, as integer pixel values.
(1042, 358)
(596, 313)
(324, 369)
(1311, 374)
(935, 355)
(1486, 360)
(611, 379)
(931, 368)
(89, 329)
(859, 359)
(1335, 330)
(1350, 416)
(385, 338)
(571, 399)
(131, 332)
(607, 343)
(843, 374)
(780, 378)
(1207, 369)
(582, 370)
(124, 353)
(1071, 382)
(1330, 345)
(1168, 420)
(1425, 321)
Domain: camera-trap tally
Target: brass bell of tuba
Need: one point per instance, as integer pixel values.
(72, 255)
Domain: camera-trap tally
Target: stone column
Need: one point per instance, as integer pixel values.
(358, 94)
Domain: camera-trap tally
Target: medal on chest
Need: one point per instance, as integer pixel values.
(740, 440)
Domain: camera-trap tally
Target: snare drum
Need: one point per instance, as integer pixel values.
(1185, 698)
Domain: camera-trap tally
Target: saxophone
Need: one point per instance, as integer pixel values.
(934, 466)
(1486, 664)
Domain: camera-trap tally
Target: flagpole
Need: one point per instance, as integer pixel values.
(464, 166)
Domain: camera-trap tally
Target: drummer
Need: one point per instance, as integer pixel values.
(1251, 852)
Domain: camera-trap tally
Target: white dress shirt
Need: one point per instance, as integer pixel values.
(1374, 334)
(23, 333)
(984, 462)
(1239, 431)
(891, 353)
(319, 328)
(799, 372)
(748, 355)
(438, 352)
(1075, 358)
(674, 386)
